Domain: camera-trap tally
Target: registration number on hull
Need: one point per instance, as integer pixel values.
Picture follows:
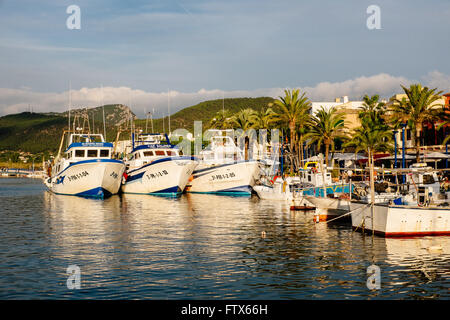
(78, 176)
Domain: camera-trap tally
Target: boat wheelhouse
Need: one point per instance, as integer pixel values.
(156, 166)
(86, 168)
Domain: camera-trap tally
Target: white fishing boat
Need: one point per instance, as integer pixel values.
(423, 211)
(391, 220)
(86, 168)
(289, 189)
(155, 166)
(279, 190)
(223, 170)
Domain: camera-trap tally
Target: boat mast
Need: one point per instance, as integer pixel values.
(372, 189)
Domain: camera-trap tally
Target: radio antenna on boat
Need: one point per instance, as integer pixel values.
(70, 99)
(168, 106)
(103, 107)
(70, 107)
(151, 119)
(148, 114)
(146, 119)
(163, 122)
(93, 116)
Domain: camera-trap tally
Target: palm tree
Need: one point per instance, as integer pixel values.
(373, 135)
(265, 118)
(372, 109)
(419, 106)
(445, 118)
(302, 129)
(221, 120)
(291, 108)
(325, 127)
(245, 119)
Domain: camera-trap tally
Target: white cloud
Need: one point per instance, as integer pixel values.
(436, 79)
(19, 100)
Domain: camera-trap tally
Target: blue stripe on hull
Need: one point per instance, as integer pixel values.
(96, 193)
(90, 161)
(163, 160)
(135, 177)
(241, 191)
(169, 192)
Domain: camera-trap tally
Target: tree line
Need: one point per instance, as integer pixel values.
(327, 127)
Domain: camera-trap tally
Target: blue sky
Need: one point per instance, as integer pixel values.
(226, 47)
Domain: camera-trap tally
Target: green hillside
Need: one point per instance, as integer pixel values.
(115, 114)
(31, 132)
(204, 111)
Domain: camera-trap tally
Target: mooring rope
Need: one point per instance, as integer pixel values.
(350, 212)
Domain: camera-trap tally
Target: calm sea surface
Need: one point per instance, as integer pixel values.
(199, 247)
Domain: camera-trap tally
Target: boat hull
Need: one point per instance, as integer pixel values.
(329, 203)
(296, 200)
(97, 178)
(164, 177)
(271, 193)
(402, 221)
(229, 179)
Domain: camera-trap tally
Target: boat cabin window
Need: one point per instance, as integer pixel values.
(104, 153)
(148, 154)
(92, 153)
(159, 152)
(170, 153)
(137, 155)
(428, 179)
(79, 153)
(69, 154)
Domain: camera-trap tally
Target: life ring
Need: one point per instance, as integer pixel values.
(314, 170)
(274, 179)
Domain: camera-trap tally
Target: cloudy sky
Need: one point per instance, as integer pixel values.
(135, 52)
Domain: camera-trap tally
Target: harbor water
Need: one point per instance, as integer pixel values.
(200, 246)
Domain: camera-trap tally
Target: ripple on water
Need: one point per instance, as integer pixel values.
(199, 247)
